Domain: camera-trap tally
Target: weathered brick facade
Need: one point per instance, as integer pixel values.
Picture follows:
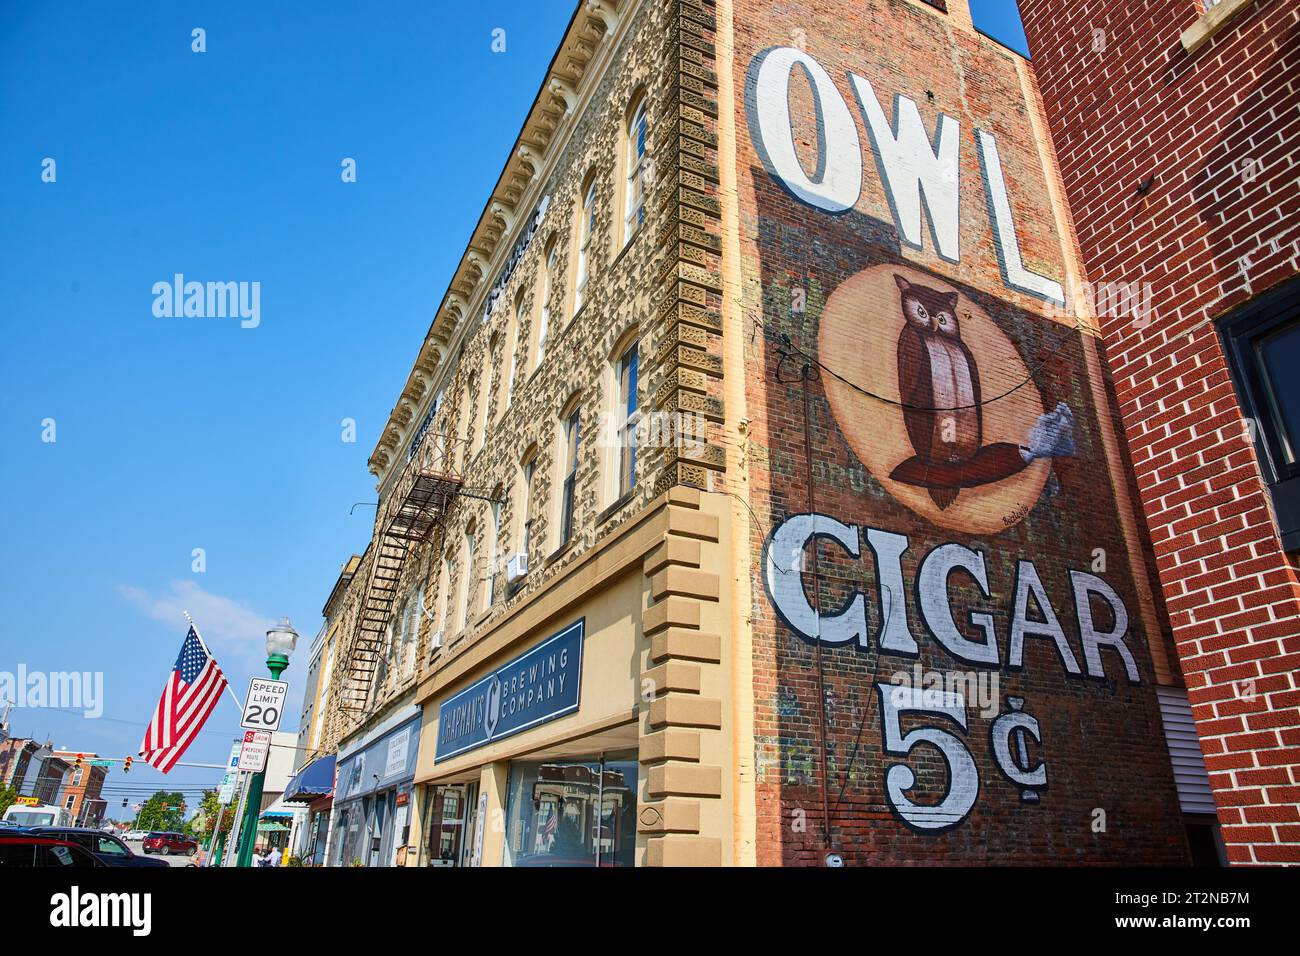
(827, 275)
(1180, 168)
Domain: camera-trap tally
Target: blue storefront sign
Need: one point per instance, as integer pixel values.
(537, 686)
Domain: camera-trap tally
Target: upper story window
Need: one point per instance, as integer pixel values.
(1262, 344)
(462, 414)
(638, 173)
(586, 229)
(484, 393)
(544, 317)
(494, 556)
(529, 468)
(469, 587)
(569, 471)
(507, 384)
(444, 604)
(627, 383)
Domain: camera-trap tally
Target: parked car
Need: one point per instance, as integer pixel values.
(108, 849)
(168, 843)
(135, 836)
(26, 815)
(23, 850)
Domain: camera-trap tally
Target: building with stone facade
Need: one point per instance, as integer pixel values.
(1177, 123)
(756, 496)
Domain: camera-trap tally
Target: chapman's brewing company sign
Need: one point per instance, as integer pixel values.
(537, 686)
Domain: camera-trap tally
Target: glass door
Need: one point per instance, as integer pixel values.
(452, 830)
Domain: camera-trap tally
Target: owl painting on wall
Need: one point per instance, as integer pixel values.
(938, 381)
(942, 403)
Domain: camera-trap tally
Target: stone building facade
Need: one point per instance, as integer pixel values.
(679, 656)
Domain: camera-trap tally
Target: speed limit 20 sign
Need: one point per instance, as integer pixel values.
(265, 704)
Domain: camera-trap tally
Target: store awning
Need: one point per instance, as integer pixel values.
(312, 781)
(271, 826)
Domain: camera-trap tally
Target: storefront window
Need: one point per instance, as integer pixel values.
(451, 808)
(320, 829)
(348, 832)
(572, 813)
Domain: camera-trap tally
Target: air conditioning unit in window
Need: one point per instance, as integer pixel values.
(516, 568)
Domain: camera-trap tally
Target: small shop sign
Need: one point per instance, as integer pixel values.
(537, 686)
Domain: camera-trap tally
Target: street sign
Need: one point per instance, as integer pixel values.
(101, 763)
(257, 744)
(233, 764)
(227, 791)
(264, 705)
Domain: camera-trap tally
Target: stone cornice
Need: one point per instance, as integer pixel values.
(560, 97)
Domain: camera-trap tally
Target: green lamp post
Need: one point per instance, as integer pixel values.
(280, 642)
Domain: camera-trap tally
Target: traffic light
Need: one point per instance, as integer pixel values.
(126, 764)
(80, 759)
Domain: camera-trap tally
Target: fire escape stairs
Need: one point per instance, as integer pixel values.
(418, 502)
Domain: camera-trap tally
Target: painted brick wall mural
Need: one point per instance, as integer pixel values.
(963, 583)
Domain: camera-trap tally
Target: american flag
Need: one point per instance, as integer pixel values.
(195, 686)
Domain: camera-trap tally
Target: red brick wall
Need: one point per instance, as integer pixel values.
(826, 280)
(1219, 130)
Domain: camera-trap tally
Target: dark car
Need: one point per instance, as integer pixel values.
(167, 843)
(107, 848)
(26, 850)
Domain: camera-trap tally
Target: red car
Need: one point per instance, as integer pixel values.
(167, 843)
(25, 851)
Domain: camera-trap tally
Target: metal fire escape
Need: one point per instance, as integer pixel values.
(420, 499)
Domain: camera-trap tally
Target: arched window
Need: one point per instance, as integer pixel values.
(507, 384)
(626, 410)
(481, 410)
(638, 172)
(543, 326)
(470, 582)
(586, 229)
(494, 554)
(462, 413)
(444, 597)
(568, 472)
(527, 470)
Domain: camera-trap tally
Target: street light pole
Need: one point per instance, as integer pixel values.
(280, 642)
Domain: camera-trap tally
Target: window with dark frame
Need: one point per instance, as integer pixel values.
(570, 476)
(1261, 342)
(627, 384)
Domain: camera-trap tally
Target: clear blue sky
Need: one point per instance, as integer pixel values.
(181, 433)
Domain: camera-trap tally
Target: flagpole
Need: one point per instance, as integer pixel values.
(238, 705)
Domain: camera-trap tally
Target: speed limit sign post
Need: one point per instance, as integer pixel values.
(264, 705)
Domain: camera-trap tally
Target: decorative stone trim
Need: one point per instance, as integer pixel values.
(684, 720)
(687, 361)
(1211, 22)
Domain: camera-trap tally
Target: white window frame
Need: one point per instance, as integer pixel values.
(638, 129)
(544, 317)
(586, 231)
